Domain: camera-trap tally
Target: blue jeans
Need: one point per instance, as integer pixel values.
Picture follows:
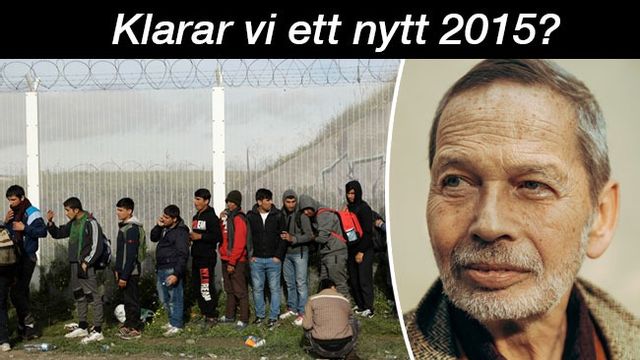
(172, 297)
(294, 271)
(261, 268)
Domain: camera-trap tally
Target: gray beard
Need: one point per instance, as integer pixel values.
(506, 304)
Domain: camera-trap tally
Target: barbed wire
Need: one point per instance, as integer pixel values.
(115, 74)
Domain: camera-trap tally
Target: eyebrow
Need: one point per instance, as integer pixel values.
(547, 168)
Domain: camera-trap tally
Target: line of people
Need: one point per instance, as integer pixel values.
(265, 242)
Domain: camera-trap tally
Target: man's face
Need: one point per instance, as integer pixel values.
(508, 209)
(71, 213)
(231, 205)
(351, 196)
(123, 214)
(200, 203)
(309, 212)
(167, 220)
(14, 201)
(265, 204)
(290, 204)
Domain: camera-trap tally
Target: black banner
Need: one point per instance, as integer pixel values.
(429, 31)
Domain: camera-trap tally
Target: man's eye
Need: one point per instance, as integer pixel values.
(451, 181)
(532, 185)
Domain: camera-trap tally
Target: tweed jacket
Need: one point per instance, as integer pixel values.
(431, 337)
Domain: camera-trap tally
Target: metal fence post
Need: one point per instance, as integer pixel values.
(218, 138)
(33, 160)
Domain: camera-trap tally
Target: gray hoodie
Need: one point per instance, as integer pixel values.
(328, 224)
(298, 225)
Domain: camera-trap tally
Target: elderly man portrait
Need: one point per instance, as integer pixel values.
(520, 195)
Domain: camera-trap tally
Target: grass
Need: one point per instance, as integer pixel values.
(380, 338)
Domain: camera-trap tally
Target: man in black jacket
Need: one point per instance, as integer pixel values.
(128, 267)
(361, 255)
(205, 237)
(267, 224)
(172, 252)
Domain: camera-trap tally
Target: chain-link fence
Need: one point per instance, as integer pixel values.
(310, 125)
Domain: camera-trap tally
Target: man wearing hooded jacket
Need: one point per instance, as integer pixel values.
(294, 270)
(205, 237)
(361, 253)
(26, 224)
(333, 249)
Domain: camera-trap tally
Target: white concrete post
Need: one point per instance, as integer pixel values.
(218, 128)
(33, 161)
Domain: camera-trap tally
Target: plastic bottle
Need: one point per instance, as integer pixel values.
(39, 347)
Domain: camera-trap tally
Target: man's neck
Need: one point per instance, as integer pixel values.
(539, 337)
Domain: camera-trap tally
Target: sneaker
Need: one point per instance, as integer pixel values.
(172, 331)
(166, 326)
(29, 332)
(71, 326)
(129, 334)
(258, 321)
(241, 325)
(355, 308)
(272, 324)
(94, 336)
(288, 314)
(226, 320)
(366, 313)
(79, 332)
(5, 347)
(298, 321)
(210, 322)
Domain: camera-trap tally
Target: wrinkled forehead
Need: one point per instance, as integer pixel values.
(506, 113)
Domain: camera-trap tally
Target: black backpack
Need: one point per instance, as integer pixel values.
(103, 250)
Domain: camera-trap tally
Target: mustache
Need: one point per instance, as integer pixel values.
(521, 255)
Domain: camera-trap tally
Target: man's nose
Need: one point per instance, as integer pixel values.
(494, 215)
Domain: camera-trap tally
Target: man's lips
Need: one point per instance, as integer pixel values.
(494, 276)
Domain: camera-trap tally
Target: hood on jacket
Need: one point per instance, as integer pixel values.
(307, 202)
(132, 220)
(289, 194)
(354, 185)
(180, 224)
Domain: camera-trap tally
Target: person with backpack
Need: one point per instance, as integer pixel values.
(172, 253)
(8, 267)
(130, 245)
(294, 269)
(234, 253)
(361, 254)
(86, 246)
(266, 225)
(332, 241)
(26, 225)
(205, 237)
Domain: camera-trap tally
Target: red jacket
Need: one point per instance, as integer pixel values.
(239, 242)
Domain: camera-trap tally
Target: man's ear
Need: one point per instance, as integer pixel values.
(606, 218)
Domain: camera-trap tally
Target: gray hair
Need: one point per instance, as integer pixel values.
(591, 128)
